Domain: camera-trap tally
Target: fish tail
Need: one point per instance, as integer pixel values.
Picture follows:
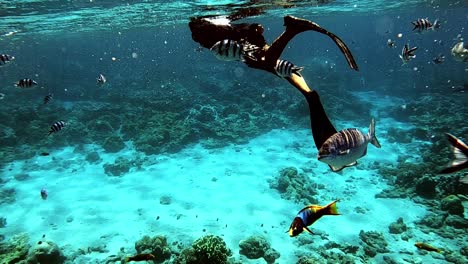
(331, 209)
(460, 151)
(373, 139)
(297, 70)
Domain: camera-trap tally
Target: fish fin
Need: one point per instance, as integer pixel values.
(331, 209)
(297, 70)
(460, 151)
(336, 169)
(249, 51)
(373, 139)
(250, 56)
(354, 163)
(308, 230)
(436, 24)
(410, 51)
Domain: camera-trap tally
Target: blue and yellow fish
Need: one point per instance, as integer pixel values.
(308, 215)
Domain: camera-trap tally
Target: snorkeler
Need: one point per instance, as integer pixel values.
(245, 42)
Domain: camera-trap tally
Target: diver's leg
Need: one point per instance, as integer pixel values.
(321, 126)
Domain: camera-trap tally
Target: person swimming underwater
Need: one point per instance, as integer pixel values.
(245, 42)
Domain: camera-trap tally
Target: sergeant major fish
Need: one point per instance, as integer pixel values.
(285, 69)
(439, 59)
(26, 83)
(460, 152)
(423, 24)
(5, 59)
(231, 50)
(48, 98)
(407, 53)
(57, 126)
(460, 52)
(308, 215)
(101, 79)
(345, 147)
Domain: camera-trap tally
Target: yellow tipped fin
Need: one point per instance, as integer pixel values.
(331, 208)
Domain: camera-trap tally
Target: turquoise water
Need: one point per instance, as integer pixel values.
(213, 160)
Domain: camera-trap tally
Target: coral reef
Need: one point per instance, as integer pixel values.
(156, 245)
(374, 242)
(7, 196)
(294, 186)
(452, 204)
(45, 252)
(15, 250)
(397, 227)
(113, 144)
(119, 167)
(255, 247)
(92, 157)
(205, 250)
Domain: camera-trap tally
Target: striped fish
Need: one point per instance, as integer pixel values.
(460, 152)
(285, 69)
(5, 58)
(231, 50)
(460, 52)
(407, 53)
(424, 24)
(26, 83)
(48, 98)
(101, 79)
(345, 147)
(57, 126)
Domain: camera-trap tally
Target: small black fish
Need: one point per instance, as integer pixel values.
(5, 58)
(391, 43)
(57, 126)
(44, 154)
(439, 59)
(407, 53)
(101, 79)
(26, 83)
(48, 98)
